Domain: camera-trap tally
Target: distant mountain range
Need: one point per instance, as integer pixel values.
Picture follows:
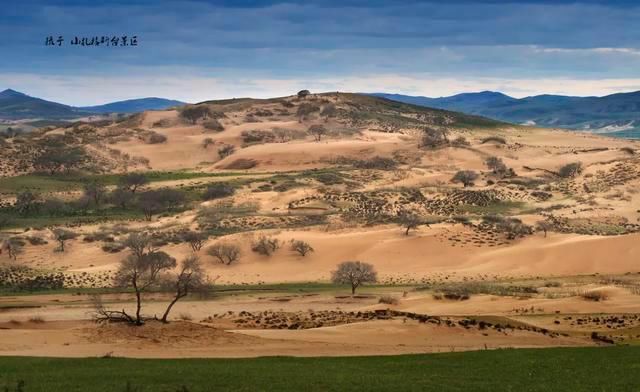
(616, 113)
(15, 105)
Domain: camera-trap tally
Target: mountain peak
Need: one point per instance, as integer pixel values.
(9, 93)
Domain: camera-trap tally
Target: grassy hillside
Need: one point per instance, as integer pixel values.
(557, 369)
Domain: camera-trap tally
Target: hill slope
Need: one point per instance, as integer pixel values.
(608, 114)
(134, 105)
(15, 105)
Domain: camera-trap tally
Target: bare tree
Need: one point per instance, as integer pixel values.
(328, 111)
(62, 236)
(410, 221)
(195, 239)
(225, 253)
(190, 277)
(133, 181)
(121, 197)
(434, 138)
(354, 273)
(544, 226)
(304, 110)
(302, 247)
(497, 166)
(142, 268)
(156, 201)
(265, 245)
(466, 177)
(95, 191)
(318, 130)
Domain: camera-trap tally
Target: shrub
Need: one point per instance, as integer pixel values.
(36, 319)
(497, 166)
(265, 245)
(193, 113)
(113, 247)
(594, 295)
(302, 94)
(155, 138)
(218, 191)
(213, 125)
(494, 139)
(207, 142)
(242, 164)
(466, 177)
(434, 138)
(376, 162)
(225, 253)
(389, 300)
(305, 109)
(257, 136)
(185, 317)
(302, 247)
(226, 150)
(460, 141)
(570, 170)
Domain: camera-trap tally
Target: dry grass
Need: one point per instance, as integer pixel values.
(594, 295)
(37, 319)
(389, 300)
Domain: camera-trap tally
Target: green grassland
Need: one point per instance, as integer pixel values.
(553, 369)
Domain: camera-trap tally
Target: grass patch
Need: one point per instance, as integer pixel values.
(553, 369)
(498, 208)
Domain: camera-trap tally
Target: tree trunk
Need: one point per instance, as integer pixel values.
(407, 232)
(353, 289)
(166, 312)
(138, 302)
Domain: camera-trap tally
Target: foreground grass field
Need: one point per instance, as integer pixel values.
(557, 369)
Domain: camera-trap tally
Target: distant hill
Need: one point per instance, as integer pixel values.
(609, 114)
(15, 105)
(134, 105)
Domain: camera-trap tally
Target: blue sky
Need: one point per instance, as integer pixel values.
(197, 50)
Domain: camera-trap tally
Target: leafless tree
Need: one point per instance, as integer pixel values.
(95, 191)
(195, 239)
(189, 277)
(466, 177)
(410, 221)
(318, 130)
(62, 236)
(225, 253)
(142, 268)
(133, 181)
(354, 273)
(265, 245)
(302, 247)
(544, 226)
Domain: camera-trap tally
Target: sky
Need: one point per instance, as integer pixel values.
(199, 50)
